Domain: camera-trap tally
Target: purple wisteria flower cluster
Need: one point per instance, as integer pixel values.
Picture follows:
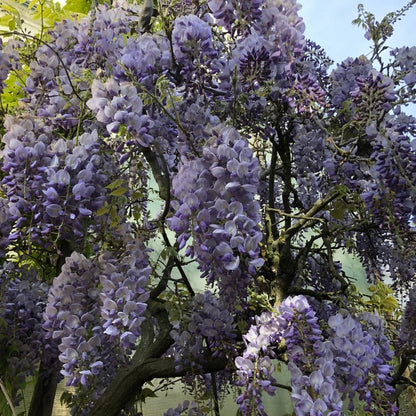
(281, 25)
(123, 295)
(118, 104)
(380, 164)
(344, 80)
(5, 226)
(197, 57)
(362, 357)
(309, 360)
(52, 90)
(330, 365)
(22, 303)
(4, 66)
(9, 59)
(56, 86)
(94, 313)
(216, 208)
(53, 185)
(226, 12)
(101, 38)
(70, 317)
(152, 53)
(208, 333)
(253, 56)
(404, 61)
(255, 368)
(262, 55)
(378, 254)
(310, 153)
(208, 329)
(186, 408)
(380, 88)
(407, 338)
(192, 42)
(394, 167)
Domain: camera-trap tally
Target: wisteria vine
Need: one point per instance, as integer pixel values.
(218, 135)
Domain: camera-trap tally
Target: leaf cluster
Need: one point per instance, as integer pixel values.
(379, 31)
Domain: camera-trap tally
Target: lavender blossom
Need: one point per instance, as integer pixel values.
(216, 205)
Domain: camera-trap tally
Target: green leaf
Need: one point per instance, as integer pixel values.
(66, 398)
(10, 9)
(340, 207)
(14, 88)
(146, 392)
(102, 211)
(137, 194)
(78, 6)
(137, 215)
(115, 184)
(119, 192)
(115, 218)
(376, 299)
(6, 20)
(33, 4)
(342, 189)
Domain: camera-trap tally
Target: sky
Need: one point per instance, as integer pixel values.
(328, 23)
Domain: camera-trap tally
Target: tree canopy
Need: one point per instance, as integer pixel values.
(180, 183)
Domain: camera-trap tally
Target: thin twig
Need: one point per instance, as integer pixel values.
(319, 205)
(6, 395)
(297, 216)
(178, 264)
(282, 386)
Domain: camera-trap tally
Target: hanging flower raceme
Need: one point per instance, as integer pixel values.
(208, 328)
(330, 368)
(309, 154)
(9, 59)
(393, 174)
(407, 333)
(283, 27)
(404, 65)
(101, 35)
(185, 408)
(255, 368)
(22, 303)
(344, 80)
(216, 205)
(117, 104)
(192, 43)
(94, 313)
(152, 52)
(53, 185)
(226, 12)
(253, 56)
(374, 93)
